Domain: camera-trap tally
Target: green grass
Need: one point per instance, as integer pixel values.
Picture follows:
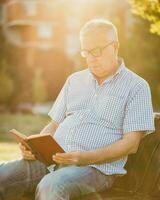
(25, 123)
(9, 151)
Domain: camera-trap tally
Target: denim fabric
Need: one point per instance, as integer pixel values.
(21, 177)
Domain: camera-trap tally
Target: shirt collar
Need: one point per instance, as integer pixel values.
(119, 70)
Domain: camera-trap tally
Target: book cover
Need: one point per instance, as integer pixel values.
(42, 146)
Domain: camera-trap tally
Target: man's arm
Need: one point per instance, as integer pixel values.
(50, 128)
(127, 145)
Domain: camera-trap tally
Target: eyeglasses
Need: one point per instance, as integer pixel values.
(96, 52)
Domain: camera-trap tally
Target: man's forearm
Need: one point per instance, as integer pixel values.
(127, 145)
(50, 128)
(108, 154)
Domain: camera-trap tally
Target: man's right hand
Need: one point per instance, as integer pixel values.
(26, 153)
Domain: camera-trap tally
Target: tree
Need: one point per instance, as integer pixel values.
(149, 10)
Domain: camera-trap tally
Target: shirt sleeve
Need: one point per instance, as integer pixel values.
(58, 110)
(139, 111)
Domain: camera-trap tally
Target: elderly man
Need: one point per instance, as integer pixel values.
(99, 118)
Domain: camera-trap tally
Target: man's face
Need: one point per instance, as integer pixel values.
(103, 65)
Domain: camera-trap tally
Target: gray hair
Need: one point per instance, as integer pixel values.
(100, 27)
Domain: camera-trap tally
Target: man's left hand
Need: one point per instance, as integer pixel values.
(72, 158)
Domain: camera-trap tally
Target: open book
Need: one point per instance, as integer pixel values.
(42, 146)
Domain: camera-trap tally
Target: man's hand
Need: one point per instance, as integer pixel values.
(26, 153)
(72, 158)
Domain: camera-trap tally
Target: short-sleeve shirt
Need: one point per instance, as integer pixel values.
(92, 116)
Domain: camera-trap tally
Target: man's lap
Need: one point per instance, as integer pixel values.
(72, 181)
(20, 177)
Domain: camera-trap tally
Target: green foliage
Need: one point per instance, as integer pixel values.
(141, 53)
(150, 10)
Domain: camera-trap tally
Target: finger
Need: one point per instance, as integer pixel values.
(63, 158)
(64, 155)
(29, 157)
(28, 153)
(64, 161)
(22, 147)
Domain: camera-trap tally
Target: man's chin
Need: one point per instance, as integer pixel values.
(97, 72)
(97, 75)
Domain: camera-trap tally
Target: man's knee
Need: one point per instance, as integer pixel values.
(12, 169)
(11, 173)
(53, 187)
(15, 177)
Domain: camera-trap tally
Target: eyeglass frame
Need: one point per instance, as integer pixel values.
(101, 50)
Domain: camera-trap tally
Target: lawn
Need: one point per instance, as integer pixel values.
(9, 151)
(25, 123)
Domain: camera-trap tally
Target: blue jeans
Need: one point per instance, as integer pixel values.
(21, 177)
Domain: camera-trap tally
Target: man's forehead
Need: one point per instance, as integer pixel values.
(93, 41)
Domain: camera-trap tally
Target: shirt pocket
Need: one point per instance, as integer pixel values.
(110, 109)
